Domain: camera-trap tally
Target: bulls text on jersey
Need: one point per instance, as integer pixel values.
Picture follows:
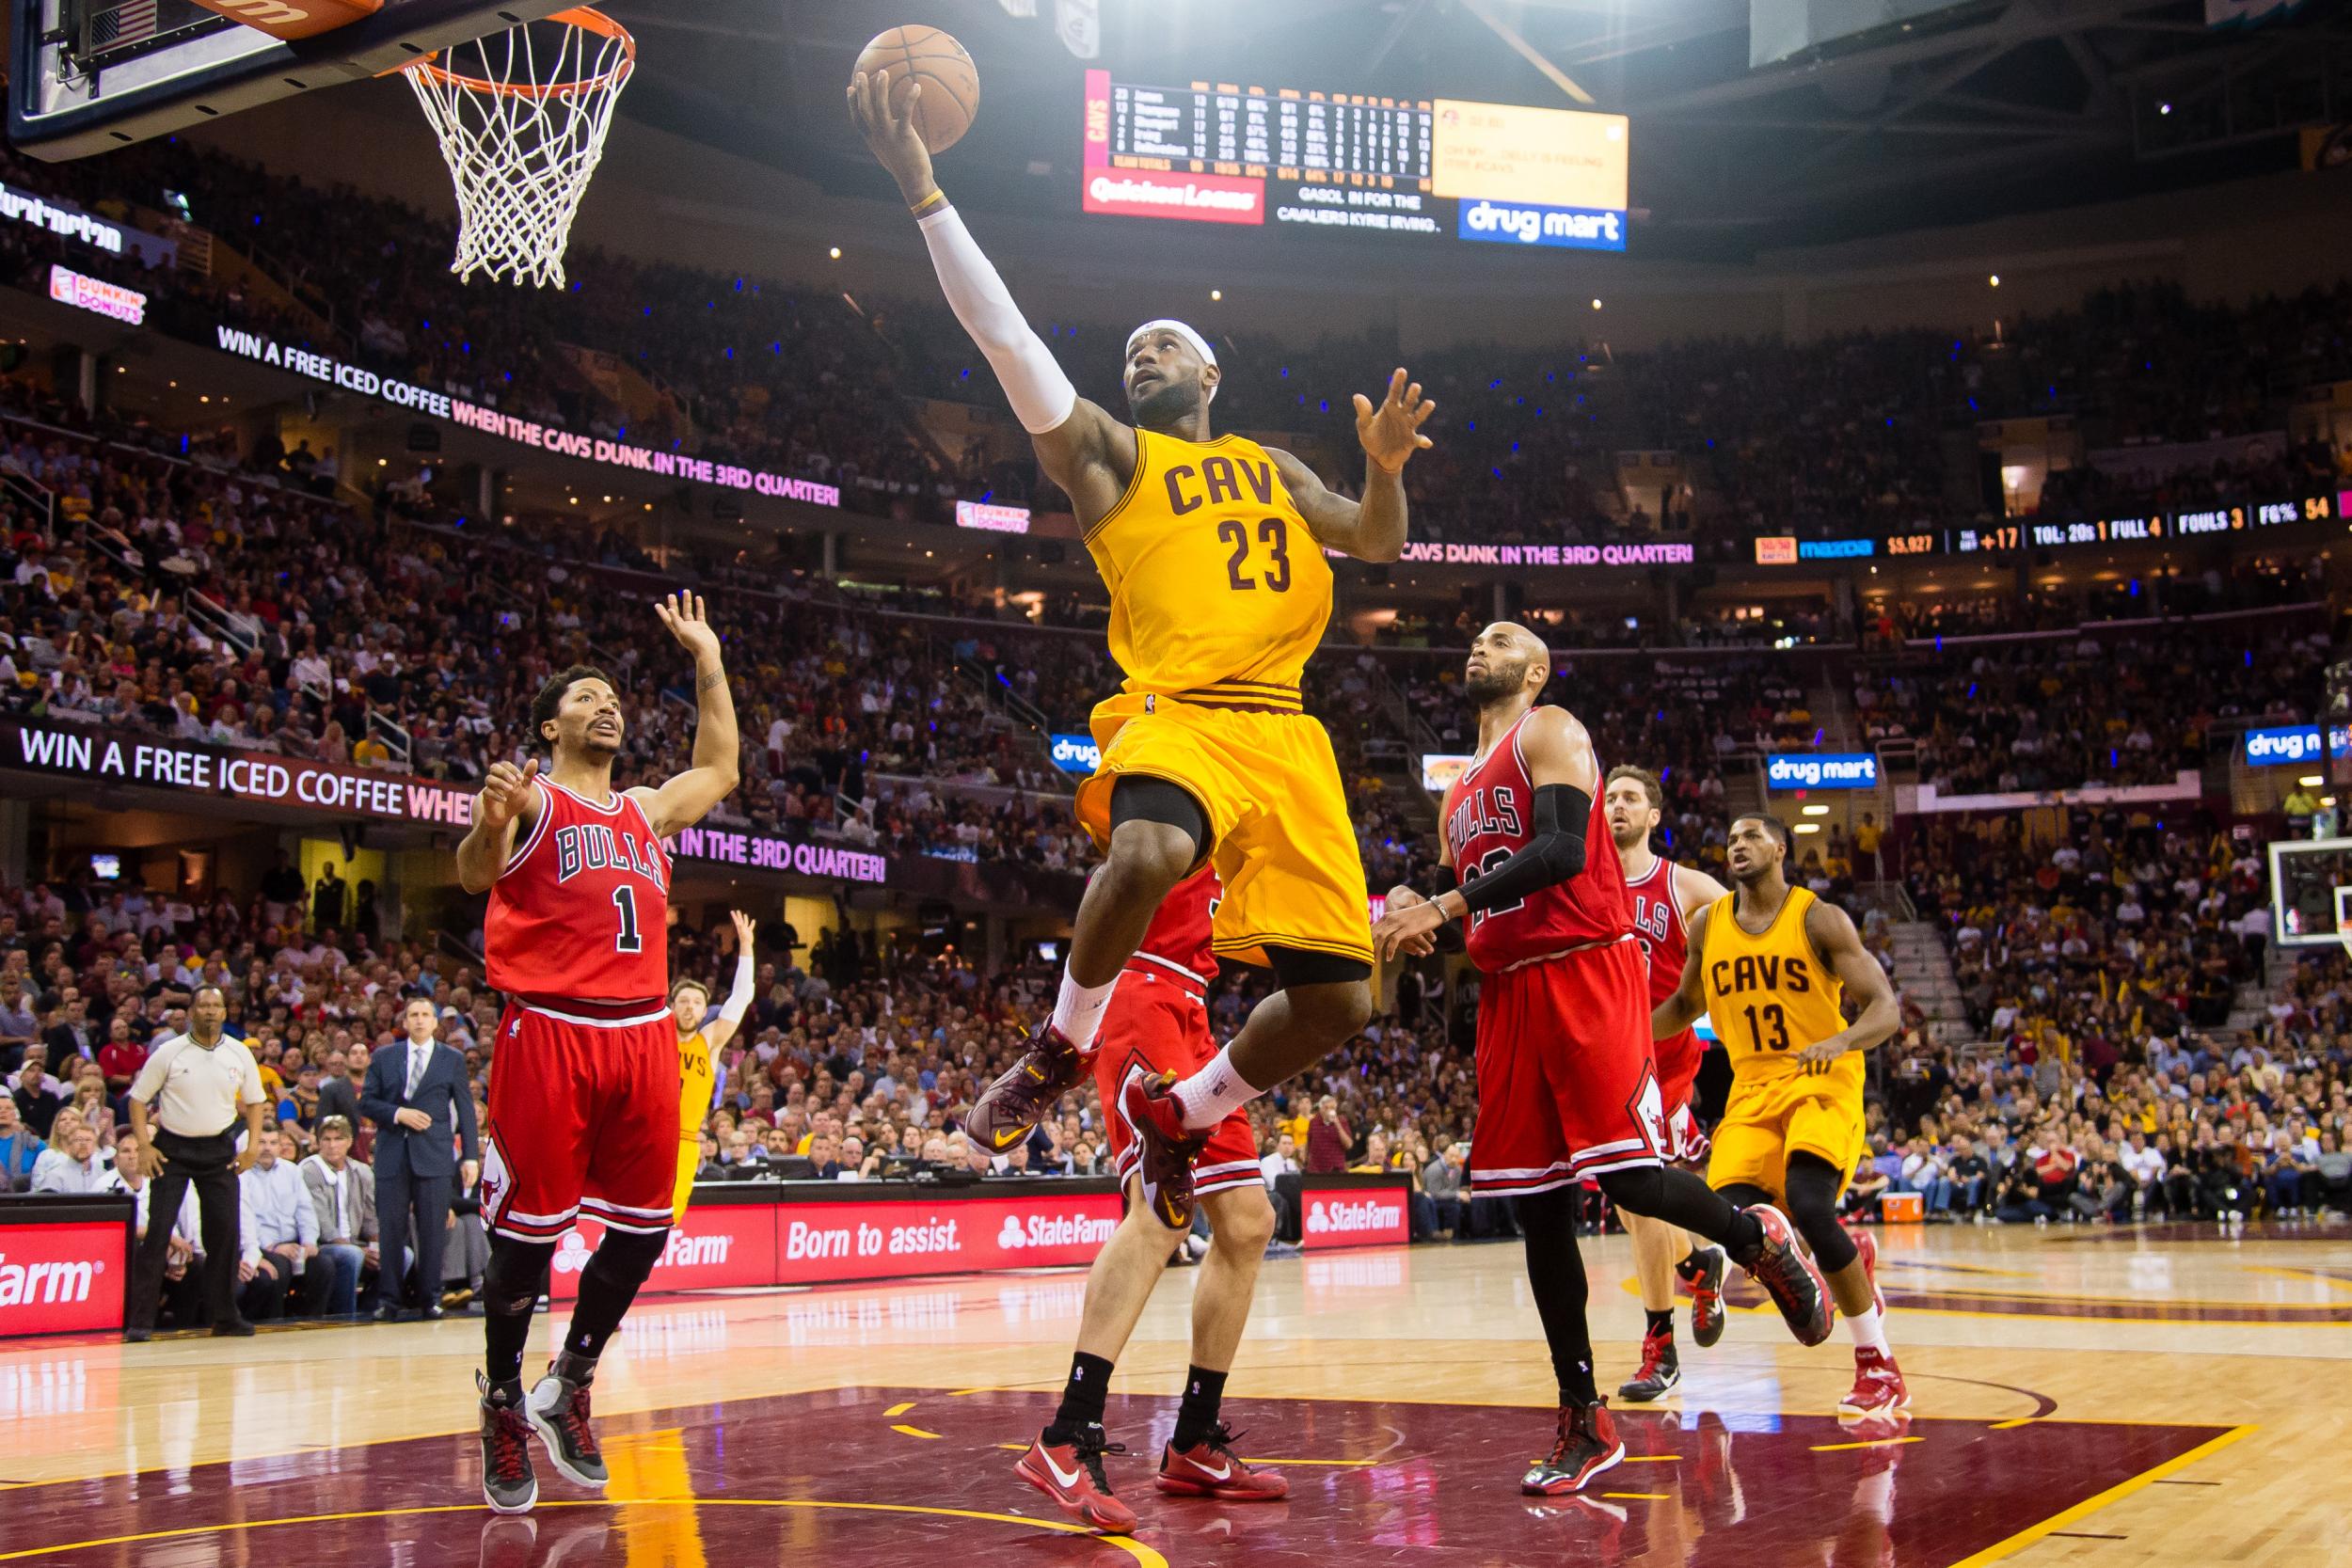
(596, 847)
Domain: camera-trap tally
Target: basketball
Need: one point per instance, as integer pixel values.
(951, 84)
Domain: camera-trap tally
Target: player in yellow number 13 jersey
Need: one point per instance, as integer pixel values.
(700, 1038)
(1771, 965)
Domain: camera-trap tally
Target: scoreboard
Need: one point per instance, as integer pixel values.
(1292, 159)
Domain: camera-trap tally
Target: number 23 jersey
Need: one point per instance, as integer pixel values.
(1217, 586)
(582, 909)
(1770, 995)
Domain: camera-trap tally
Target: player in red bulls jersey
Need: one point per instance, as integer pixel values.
(1663, 893)
(1157, 1025)
(1566, 1088)
(584, 1073)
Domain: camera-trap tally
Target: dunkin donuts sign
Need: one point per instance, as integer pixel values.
(1356, 1217)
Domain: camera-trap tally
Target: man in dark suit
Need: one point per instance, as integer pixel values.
(415, 1091)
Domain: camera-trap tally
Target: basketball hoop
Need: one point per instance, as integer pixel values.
(523, 134)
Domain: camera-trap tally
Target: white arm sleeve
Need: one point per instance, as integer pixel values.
(739, 1001)
(1041, 394)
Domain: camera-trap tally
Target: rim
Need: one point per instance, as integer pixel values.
(582, 18)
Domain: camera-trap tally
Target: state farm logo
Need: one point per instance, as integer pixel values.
(1339, 1216)
(682, 1251)
(1053, 1230)
(572, 1252)
(46, 1284)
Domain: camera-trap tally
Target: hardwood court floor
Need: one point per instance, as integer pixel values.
(2094, 1396)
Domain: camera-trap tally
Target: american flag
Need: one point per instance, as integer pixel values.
(128, 22)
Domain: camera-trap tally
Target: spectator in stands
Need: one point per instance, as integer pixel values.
(74, 1166)
(183, 1280)
(342, 1194)
(39, 1096)
(418, 1096)
(20, 1151)
(1328, 1139)
(279, 1232)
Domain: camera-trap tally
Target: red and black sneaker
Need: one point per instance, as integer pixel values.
(558, 1412)
(1010, 1109)
(1164, 1149)
(1790, 1278)
(1586, 1445)
(1660, 1370)
(1706, 1294)
(1209, 1469)
(1072, 1475)
(509, 1484)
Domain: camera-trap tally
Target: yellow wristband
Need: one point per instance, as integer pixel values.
(937, 198)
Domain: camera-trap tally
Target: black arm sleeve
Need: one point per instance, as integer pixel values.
(1552, 854)
(1449, 937)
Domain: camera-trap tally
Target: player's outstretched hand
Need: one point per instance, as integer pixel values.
(683, 614)
(1406, 928)
(1818, 1057)
(890, 133)
(1403, 898)
(504, 793)
(1392, 432)
(745, 929)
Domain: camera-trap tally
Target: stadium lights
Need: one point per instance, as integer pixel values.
(835, 253)
(1817, 810)
(1808, 827)
(2310, 781)
(2164, 108)
(1595, 303)
(1216, 295)
(1995, 279)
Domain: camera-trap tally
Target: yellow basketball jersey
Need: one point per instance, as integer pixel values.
(694, 1083)
(1770, 996)
(1215, 582)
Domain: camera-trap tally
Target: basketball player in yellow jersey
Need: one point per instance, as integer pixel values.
(1771, 965)
(1212, 551)
(700, 1038)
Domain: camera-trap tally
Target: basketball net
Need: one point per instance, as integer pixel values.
(522, 125)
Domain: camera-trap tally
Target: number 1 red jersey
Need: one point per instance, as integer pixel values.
(582, 909)
(1489, 816)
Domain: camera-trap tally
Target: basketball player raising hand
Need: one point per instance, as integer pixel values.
(584, 1069)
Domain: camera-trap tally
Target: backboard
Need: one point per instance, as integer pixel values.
(90, 75)
(2308, 878)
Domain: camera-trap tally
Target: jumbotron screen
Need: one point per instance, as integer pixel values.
(1322, 162)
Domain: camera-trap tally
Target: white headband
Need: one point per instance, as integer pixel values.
(1169, 324)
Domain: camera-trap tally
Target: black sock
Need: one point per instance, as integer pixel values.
(607, 1287)
(1205, 1390)
(1555, 1276)
(1691, 1269)
(1082, 1397)
(1660, 1322)
(504, 1335)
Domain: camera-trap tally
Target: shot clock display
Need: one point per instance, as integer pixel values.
(1302, 160)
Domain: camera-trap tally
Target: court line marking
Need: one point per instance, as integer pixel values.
(1350, 1464)
(2302, 1276)
(1649, 1459)
(917, 1432)
(2084, 1535)
(1134, 1548)
(2091, 1505)
(2013, 1424)
(900, 1409)
(1640, 1497)
(1866, 1443)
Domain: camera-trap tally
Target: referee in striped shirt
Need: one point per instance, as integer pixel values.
(200, 1084)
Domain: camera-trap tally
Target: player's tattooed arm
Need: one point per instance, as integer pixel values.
(505, 805)
(1689, 1000)
(1373, 529)
(718, 749)
(1832, 933)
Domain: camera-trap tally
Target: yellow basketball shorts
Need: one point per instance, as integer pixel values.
(1767, 1121)
(690, 1159)
(1284, 846)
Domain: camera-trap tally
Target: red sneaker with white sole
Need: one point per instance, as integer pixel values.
(1878, 1386)
(1072, 1475)
(1789, 1276)
(1587, 1444)
(1209, 1469)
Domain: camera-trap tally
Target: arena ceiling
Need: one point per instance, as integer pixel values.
(1974, 110)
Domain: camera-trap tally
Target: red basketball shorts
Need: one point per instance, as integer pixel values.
(1566, 1086)
(1160, 1023)
(1678, 1062)
(583, 1118)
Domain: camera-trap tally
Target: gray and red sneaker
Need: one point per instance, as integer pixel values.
(1660, 1370)
(1877, 1388)
(1868, 1244)
(1707, 1296)
(1072, 1475)
(1586, 1445)
(1790, 1278)
(1010, 1109)
(1209, 1469)
(1165, 1148)
(558, 1412)
(509, 1484)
